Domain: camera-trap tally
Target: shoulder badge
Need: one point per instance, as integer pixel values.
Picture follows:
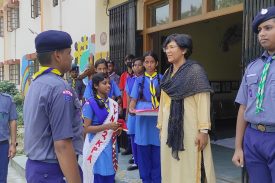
(67, 95)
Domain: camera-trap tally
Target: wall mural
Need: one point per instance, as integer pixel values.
(25, 71)
(84, 53)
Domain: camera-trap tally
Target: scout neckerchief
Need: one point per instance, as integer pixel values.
(73, 82)
(154, 99)
(105, 102)
(93, 148)
(45, 70)
(260, 94)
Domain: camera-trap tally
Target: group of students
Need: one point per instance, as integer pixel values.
(54, 144)
(171, 147)
(144, 135)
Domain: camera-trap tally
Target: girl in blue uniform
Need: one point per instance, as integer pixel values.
(145, 95)
(100, 123)
(101, 67)
(138, 70)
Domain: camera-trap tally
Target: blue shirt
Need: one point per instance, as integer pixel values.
(104, 163)
(7, 114)
(114, 90)
(131, 120)
(130, 81)
(146, 88)
(146, 132)
(51, 112)
(79, 87)
(249, 88)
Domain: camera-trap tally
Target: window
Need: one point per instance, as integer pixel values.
(1, 26)
(33, 67)
(12, 18)
(55, 3)
(2, 72)
(35, 7)
(160, 13)
(14, 73)
(226, 3)
(189, 8)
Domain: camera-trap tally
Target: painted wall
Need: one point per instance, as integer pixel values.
(207, 37)
(75, 17)
(1, 49)
(101, 28)
(113, 3)
(20, 41)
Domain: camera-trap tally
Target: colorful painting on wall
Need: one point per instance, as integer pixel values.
(25, 72)
(84, 52)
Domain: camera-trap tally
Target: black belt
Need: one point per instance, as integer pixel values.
(263, 128)
(4, 142)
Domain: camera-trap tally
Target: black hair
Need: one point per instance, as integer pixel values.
(152, 54)
(136, 59)
(141, 85)
(129, 57)
(184, 41)
(100, 61)
(110, 62)
(44, 58)
(97, 78)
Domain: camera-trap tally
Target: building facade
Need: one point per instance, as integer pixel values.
(21, 21)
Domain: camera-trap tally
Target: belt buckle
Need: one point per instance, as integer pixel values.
(261, 128)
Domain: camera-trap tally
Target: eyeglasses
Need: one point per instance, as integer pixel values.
(169, 48)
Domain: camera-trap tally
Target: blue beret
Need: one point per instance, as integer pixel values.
(52, 40)
(75, 68)
(262, 16)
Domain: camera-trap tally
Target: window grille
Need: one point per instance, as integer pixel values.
(2, 73)
(12, 18)
(14, 73)
(1, 26)
(35, 8)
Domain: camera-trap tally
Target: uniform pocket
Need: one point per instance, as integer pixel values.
(272, 86)
(4, 118)
(252, 82)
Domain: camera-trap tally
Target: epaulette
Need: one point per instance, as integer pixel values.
(253, 61)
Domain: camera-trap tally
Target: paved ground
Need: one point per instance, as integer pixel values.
(14, 176)
(225, 170)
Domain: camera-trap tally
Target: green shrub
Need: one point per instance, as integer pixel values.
(10, 88)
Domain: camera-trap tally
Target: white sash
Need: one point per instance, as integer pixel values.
(93, 149)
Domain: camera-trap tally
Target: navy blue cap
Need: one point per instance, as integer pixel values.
(52, 40)
(75, 68)
(262, 16)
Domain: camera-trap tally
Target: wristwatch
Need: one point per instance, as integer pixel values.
(204, 131)
(15, 144)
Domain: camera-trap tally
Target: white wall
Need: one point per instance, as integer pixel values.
(75, 17)
(21, 41)
(1, 49)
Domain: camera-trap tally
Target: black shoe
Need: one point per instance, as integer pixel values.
(132, 167)
(126, 152)
(131, 161)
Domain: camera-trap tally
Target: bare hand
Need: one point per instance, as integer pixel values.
(118, 131)
(201, 140)
(238, 159)
(113, 126)
(12, 151)
(132, 111)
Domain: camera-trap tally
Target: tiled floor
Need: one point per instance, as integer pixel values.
(14, 177)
